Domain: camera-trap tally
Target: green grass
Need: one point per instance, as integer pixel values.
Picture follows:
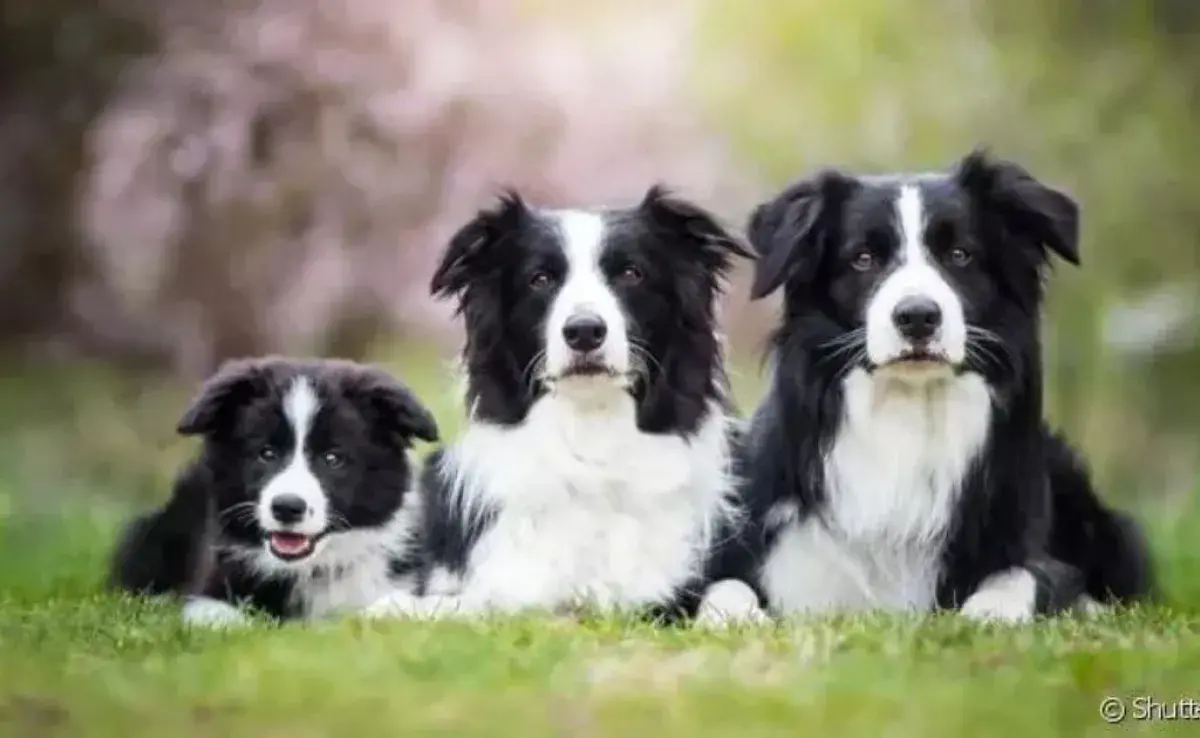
(74, 661)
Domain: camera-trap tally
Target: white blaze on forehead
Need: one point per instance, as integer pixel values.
(585, 289)
(915, 275)
(582, 236)
(300, 407)
(910, 218)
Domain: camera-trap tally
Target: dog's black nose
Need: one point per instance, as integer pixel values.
(288, 508)
(584, 332)
(917, 318)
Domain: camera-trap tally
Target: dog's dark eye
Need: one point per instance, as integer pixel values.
(960, 257)
(629, 274)
(540, 281)
(863, 260)
(268, 453)
(333, 459)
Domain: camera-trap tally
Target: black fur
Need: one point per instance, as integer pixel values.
(1106, 545)
(199, 541)
(449, 531)
(1026, 501)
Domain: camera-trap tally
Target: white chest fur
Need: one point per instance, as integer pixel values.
(591, 509)
(892, 478)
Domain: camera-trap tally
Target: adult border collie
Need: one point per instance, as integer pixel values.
(298, 504)
(596, 468)
(900, 460)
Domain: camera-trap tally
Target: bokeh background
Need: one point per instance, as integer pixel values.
(182, 182)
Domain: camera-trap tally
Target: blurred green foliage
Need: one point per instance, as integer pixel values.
(1097, 96)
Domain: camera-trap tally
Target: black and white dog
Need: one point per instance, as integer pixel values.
(900, 460)
(596, 467)
(299, 503)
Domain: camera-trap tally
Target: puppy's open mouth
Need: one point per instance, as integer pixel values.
(292, 546)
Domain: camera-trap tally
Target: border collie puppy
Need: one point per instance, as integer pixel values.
(298, 504)
(596, 467)
(900, 460)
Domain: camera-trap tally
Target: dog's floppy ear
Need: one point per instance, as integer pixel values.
(788, 231)
(1044, 216)
(234, 384)
(717, 246)
(394, 405)
(471, 243)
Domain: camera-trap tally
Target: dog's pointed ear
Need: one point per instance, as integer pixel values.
(717, 246)
(234, 384)
(788, 231)
(1044, 216)
(471, 243)
(390, 402)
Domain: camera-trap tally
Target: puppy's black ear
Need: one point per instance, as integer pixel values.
(1045, 217)
(393, 405)
(788, 231)
(234, 384)
(681, 218)
(471, 244)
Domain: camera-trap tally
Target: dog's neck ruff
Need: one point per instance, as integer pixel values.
(899, 458)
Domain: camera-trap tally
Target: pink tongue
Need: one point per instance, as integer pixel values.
(288, 543)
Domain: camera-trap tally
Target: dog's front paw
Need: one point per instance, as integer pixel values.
(205, 612)
(405, 605)
(393, 605)
(1088, 607)
(730, 602)
(984, 609)
(1007, 597)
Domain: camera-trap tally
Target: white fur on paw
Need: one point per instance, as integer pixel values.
(393, 605)
(406, 605)
(730, 602)
(1089, 607)
(1007, 597)
(205, 612)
